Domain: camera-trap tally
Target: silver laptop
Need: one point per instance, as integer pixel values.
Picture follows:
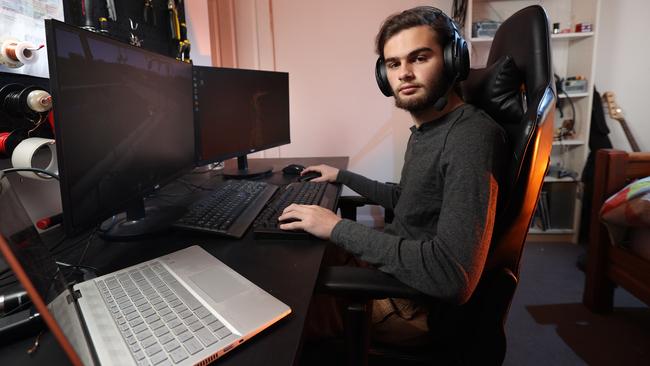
(183, 308)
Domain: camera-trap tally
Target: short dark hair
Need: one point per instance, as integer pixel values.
(421, 15)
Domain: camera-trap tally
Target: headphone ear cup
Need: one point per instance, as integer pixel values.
(382, 78)
(450, 61)
(456, 55)
(462, 59)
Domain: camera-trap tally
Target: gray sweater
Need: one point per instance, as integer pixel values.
(444, 206)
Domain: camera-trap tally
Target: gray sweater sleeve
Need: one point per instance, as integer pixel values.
(448, 265)
(384, 194)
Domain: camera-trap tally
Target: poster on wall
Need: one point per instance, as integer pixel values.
(22, 35)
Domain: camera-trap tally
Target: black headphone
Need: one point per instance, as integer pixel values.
(456, 54)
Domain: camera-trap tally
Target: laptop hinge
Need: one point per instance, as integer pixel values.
(76, 294)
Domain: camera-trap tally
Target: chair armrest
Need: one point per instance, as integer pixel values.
(363, 283)
(356, 201)
(349, 204)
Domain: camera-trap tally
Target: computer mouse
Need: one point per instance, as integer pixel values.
(308, 176)
(293, 169)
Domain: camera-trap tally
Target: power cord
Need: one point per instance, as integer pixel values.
(564, 130)
(35, 170)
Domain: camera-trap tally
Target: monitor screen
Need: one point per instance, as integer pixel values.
(123, 122)
(239, 111)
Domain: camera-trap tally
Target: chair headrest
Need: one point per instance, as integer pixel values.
(497, 90)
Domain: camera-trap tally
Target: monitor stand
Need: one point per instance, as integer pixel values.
(244, 170)
(139, 221)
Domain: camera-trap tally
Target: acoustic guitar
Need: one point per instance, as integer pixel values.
(615, 112)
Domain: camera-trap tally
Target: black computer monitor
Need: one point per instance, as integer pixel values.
(238, 112)
(123, 125)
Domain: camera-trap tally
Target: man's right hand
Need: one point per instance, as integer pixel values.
(327, 173)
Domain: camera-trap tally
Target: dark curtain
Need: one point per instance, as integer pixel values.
(598, 139)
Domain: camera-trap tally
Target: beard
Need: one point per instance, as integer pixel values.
(422, 102)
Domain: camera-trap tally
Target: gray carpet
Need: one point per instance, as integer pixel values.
(548, 325)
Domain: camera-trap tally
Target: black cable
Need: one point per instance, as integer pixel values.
(192, 185)
(573, 107)
(57, 244)
(11, 104)
(68, 265)
(68, 247)
(35, 170)
(90, 239)
(212, 172)
(8, 284)
(7, 276)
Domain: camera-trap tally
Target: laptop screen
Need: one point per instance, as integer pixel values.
(40, 276)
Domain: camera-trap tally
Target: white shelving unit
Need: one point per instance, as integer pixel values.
(573, 55)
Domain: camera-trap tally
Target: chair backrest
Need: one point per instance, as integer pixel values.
(517, 90)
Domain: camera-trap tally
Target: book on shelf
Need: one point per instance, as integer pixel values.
(541, 218)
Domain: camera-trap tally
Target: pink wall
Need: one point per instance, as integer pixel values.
(198, 31)
(327, 47)
(336, 108)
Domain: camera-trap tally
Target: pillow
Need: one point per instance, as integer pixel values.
(629, 207)
(497, 90)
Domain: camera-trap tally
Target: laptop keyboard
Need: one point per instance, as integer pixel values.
(160, 320)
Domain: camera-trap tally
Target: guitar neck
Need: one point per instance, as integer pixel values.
(615, 112)
(628, 134)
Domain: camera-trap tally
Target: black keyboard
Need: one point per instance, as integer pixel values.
(229, 209)
(304, 193)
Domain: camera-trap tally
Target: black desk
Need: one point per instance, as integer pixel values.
(286, 269)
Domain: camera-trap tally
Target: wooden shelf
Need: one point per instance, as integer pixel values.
(534, 230)
(574, 95)
(549, 179)
(571, 36)
(568, 143)
(558, 36)
(481, 39)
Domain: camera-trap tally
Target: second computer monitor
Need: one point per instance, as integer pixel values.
(238, 112)
(123, 128)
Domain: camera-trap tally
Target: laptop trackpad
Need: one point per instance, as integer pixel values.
(218, 283)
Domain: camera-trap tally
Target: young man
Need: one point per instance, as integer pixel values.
(446, 200)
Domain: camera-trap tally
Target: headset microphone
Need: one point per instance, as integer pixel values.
(441, 103)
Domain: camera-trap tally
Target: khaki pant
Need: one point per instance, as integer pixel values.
(394, 321)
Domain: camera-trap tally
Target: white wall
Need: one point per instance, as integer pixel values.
(622, 66)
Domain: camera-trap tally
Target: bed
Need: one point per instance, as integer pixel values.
(608, 263)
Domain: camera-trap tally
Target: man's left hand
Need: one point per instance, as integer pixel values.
(313, 219)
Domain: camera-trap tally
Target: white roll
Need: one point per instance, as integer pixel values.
(23, 156)
(26, 53)
(23, 52)
(39, 101)
(4, 56)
